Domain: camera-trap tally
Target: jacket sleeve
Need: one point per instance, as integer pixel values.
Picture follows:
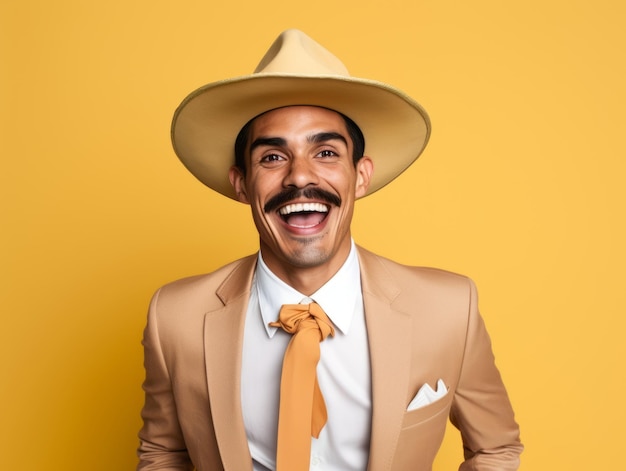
(162, 446)
(481, 409)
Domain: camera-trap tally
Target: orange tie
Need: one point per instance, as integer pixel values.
(302, 409)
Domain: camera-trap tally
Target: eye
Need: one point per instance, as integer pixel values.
(269, 158)
(328, 153)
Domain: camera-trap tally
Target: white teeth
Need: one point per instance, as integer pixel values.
(300, 207)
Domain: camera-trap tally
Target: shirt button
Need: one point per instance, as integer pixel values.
(315, 461)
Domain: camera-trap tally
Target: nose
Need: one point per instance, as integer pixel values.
(301, 173)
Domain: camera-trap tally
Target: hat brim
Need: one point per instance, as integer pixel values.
(206, 124)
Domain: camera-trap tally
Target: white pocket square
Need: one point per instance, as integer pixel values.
(426, 395)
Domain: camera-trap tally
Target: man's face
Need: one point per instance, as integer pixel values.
(301, 184)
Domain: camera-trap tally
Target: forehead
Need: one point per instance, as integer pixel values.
(297, 119)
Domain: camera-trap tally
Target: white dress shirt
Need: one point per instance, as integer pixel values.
(343, 371)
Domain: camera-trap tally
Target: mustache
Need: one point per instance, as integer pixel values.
(290, 194)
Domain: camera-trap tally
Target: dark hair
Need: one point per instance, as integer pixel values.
(355, 133)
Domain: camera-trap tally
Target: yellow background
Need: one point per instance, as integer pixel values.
(521, 188)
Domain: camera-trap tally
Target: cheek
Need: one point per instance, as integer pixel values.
(264, 185)
(255, 191)
(345, 184)
(339, 175)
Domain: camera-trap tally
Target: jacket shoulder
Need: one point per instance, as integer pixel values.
(208, 291)
(438, 292)
(407, 275)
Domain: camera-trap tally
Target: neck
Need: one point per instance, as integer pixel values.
(307, 279)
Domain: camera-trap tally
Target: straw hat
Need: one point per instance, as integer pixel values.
(297, 71)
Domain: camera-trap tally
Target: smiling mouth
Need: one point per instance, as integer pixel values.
(304, 215)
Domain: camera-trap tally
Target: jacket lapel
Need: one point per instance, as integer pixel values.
(223, 339)
(389, 340)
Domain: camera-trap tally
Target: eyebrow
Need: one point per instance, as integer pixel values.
(313, 139)
(326, 136)
(267, 141)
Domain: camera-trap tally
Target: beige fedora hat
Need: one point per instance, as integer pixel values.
(297, 71)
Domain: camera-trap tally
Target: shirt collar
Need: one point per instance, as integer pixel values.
(338, 297)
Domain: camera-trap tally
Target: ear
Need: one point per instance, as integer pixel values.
(237, 180)
(364, 171)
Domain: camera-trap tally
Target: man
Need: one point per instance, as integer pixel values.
(313, 353)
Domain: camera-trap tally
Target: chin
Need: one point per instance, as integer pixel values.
(308, 256)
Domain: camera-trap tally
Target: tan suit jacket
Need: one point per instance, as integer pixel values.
(423, 325)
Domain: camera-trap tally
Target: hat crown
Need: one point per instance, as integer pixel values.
(294, 52)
